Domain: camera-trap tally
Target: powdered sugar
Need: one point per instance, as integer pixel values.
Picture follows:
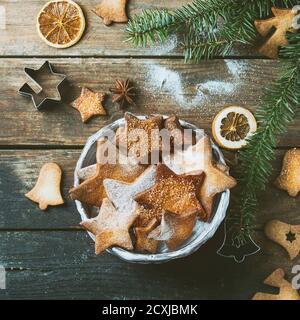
(164, 48)
(122, 194)
(170, 81)
(164, 79)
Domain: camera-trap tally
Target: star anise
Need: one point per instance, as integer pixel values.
(123, 92)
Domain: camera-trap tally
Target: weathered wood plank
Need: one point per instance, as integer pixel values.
(19, 171)
(193, 92)
(21, 38)
(57, 265)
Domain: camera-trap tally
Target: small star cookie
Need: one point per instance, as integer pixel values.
(111, 11)
(89, 104)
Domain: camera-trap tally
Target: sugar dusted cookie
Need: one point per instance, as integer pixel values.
(143, 241)
(47, 189)
(199, 158)
(92, 191)
(172, 193)
(141, 137)
(175, 229)
(89, 104)
(110, 227)
(122, 194)
(111, 11)
(289, 178)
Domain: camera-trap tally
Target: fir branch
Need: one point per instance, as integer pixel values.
(209, 27)
(277, 109)
(292, 50)
(150, 26)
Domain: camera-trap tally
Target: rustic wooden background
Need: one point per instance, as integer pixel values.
(46, 254)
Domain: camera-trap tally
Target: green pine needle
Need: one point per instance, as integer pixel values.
(209, 28)
(277, 110)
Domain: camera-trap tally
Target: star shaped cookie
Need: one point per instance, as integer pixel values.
(178, 136)
(110, 227)
(122, 194)
(141, 137)
(92, 191)
(89, 104)
(143, 242)
(111, 11)
(175, 229)
(199, 158)
(172, 193)
(289, 178)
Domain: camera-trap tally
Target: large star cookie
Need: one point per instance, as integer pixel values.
(171, 193)
(110, 227)
(143, 241)
(92, 191)
(178, 135)
(289, 178)
(122, 194)
(141, 138)
(199, 158)
(89, 104)
(108, 153)
(174, 229)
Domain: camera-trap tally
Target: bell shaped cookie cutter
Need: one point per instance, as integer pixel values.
(33, 74)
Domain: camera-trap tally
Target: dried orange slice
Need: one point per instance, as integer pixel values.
(232, 126)
(61, 23)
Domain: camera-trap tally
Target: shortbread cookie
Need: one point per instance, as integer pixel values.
(143, 241)
(47, 189)
(289, 178)
(286, 235)
(89, 104)
(277, 280)
(122, 194)
(110, 227)
(172, 193)
(199, 158)
(92, 191)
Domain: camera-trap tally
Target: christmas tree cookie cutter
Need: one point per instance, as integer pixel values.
(39, 99)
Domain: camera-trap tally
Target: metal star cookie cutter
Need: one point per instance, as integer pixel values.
(33, 74)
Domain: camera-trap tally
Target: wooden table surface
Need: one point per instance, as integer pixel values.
(46, 254)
